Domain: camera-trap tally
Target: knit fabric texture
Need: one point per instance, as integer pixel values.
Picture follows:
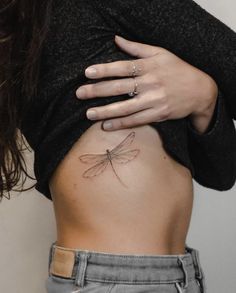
(81, 33)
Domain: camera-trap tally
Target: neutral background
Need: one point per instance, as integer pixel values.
(27, 224)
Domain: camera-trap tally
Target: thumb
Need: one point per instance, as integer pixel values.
(135, 48)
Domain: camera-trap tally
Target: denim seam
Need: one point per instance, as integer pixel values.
(137, 282)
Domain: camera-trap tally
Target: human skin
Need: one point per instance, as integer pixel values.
(136, 198)
(169, 88)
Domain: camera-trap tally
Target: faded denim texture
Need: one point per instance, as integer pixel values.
(99, 272)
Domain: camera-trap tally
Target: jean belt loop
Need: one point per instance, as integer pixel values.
(51, 252)
(199, 274)
(182, 265)
(82, 257)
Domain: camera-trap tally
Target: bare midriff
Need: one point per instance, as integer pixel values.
(135, 199)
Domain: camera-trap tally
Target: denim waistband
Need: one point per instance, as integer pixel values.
(128, 268)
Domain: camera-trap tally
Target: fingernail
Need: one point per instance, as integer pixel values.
(91, 71)
(91, 114)
(80, 92)
(107, 125)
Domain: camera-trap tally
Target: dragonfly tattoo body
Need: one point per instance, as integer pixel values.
(119, 154)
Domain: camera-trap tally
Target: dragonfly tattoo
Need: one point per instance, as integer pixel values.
(119, 154)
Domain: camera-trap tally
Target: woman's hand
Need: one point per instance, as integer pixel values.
(168, 88)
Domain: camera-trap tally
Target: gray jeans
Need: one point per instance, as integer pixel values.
(84, 271)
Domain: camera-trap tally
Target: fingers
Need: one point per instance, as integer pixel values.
(140, 118)
(137, 49)
(109, 88)
(123, 108)
(116, 68)
(116, 109)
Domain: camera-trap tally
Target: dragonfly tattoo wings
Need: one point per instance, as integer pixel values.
(119, 154)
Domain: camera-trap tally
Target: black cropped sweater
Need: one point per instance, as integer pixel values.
(81, 33)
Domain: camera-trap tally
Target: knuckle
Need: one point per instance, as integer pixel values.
(91, 89)
(123, 123)
(107, 112)
(151, 78)
(125, 110)
(118, 87)
(155, 63)
(165, 112)
(130, 104)
(103, 113)
(104, 71)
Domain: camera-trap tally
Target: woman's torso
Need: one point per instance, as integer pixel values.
(150, 215)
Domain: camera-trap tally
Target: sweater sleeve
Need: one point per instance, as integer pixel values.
(213, 153)
(196, 36)
(184, 28)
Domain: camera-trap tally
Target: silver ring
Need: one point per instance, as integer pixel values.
(134, 92)
(134, 68)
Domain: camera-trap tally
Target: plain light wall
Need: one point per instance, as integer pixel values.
(27, 224)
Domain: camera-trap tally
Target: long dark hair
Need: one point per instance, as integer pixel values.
(23, 27)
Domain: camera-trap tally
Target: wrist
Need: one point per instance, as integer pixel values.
(203, 114)
(206, 103)
(201, 122)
